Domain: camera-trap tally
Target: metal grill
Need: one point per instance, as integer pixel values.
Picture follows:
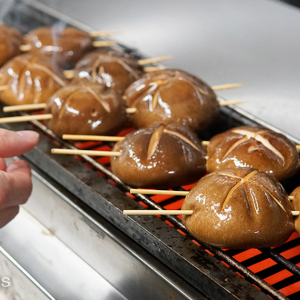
(217, 273)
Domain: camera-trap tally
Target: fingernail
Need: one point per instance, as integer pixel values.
(28, 134)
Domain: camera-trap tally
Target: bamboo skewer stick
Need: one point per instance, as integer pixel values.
(25, 118)
(25, 48)
(69, 74)
(231, 102)
(24, 107)
(148, 61)
(158, 192)
(84, 152)
(291, 198)
(93, 138)
(171, 212)
(298, 147)
(3, 88)
(153, 69)
(94, 34)
(226, 86)
(157, 212)
(35, 106)
(99, 44)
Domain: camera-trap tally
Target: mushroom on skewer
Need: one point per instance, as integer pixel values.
(172, 96)
(237, 209)
(117, 70)
(66, 45)
(10, 41)
(254, 147)
(29, 79)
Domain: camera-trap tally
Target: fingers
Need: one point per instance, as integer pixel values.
(15, 184)
(6, 215)
(16, 143)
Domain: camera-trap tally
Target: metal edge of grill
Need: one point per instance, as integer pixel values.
(142, 229)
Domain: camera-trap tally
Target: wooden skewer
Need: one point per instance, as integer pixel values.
(25, 118)
(226, 86)
(3, 88)
(24, 107)
(157, 212)
(102, 33)
(158, 192)
(296, 213)
(69, 74)
(148, 61)
(84, 152)
(226, 103)
(298, 147)
(99, 44)
(93, 138)
(153, 69)
(291, 198)
(25, 48)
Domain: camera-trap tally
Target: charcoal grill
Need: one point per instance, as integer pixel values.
(214, 273)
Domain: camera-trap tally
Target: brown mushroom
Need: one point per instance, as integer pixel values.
(239, 208)
(29, 79)
(296, 203)
(86, 109)
(161, 156)
(172, 96)
(117, 70)
(10, 41)
(66, 45)
(253, 147)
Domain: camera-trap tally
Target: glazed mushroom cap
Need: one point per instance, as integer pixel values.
(10, 41)
(159, 157)
(117, 70)
(239, 208)
(253, 147)
(86, 109)
(172, 96)
(296, 203)
(29, 79)
(65, 45)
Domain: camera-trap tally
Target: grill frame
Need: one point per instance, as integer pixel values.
(202, 270)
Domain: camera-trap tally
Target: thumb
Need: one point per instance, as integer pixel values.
(16, 143)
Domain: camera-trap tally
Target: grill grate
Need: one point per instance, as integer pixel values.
(274, 271)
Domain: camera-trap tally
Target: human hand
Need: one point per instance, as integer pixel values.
(15, 179)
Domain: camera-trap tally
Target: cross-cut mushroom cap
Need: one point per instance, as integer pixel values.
(30, 79)
(172, 96)
(239, 208)
(86, 109)
(159, 157)
(10, 41)
(65, 45)
(296, 203)
(253, 147)
(117, 70)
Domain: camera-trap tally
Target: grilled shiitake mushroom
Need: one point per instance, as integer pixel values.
(86, 109)
(239, 208)
(253, 147)
(172, 96)
(161, 156)
(66, 45)
(117, 70)
(29, 79)
(10, 41)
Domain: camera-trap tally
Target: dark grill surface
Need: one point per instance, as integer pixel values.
(219, 274)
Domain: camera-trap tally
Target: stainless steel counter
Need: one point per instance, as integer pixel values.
(256, 42)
